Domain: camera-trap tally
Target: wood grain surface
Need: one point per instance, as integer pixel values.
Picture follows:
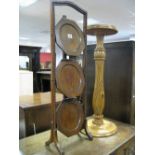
(37, 99)
(70, 117)
(69, 37)
(75, 145)
(70, 79)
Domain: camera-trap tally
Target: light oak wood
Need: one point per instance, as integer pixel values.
(97, 126)
(98, 95)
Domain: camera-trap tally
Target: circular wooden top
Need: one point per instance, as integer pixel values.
(69, 37)
(70, 79)
(103, 30)
(70, 117)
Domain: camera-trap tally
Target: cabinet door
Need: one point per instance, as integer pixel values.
(38, 119)
(42, 118)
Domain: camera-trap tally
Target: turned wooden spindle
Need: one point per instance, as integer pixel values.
(97, 125)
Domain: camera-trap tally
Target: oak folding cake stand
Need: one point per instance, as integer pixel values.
(69, 77)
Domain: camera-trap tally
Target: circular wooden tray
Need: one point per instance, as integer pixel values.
(70, 117)
(69, 37)
(70, 79)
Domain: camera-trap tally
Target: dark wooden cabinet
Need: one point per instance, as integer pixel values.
(34, 62)
(119, 80)
(35, 113)
(34, 120)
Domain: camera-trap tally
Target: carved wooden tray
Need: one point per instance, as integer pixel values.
(70, 79)
(69, 37)
(70, 117)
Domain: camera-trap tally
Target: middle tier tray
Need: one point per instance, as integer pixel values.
(70, 78)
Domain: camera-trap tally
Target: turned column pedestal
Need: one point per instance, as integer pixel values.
(97, 125)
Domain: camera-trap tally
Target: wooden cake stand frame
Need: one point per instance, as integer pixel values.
(53, 137)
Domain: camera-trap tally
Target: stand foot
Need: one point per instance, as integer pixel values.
(108, 128)
(89, 135)
(57, 145)
(61, 152)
